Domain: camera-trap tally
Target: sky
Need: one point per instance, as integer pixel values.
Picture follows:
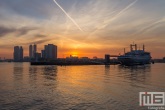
(83, 27)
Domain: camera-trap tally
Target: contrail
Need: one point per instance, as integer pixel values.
(115, 17)
(68, 16)
(121, 12)
(147, 28)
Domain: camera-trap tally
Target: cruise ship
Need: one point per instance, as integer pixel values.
(135, 56)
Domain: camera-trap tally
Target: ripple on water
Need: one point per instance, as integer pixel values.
(77, 87)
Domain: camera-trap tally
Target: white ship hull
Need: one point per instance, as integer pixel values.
(125, 60)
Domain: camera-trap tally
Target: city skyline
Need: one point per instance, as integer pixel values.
(48, 53)
(84, 28)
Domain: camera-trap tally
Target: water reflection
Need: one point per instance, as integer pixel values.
(33, 70)
(77, 87)
(135, 73)
(50, 72)
(18, 71)
(107, 69)
(50, 76)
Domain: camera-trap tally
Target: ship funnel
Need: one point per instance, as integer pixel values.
(143, 47)
(131, 47)
(135, 46)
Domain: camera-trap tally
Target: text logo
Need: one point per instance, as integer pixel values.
(152, 99)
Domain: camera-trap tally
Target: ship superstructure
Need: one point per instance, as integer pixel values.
(135, 56)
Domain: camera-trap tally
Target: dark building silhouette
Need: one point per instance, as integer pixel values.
(18, 54)
(49, 52)
(107, 58)
(45, 51)
(43, 54)
(37, 55)
(21, 53)
(32, 51)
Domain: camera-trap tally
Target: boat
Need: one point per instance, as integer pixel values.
(135, 56)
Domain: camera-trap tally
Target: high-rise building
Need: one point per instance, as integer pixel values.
(46, 51)
(43, 54)
(37, 55)
(34, 50)
(50, 51)
(107, 58)
(18, 54)
(30, 51)
(21, 53)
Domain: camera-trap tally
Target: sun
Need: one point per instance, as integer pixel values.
(74, 54)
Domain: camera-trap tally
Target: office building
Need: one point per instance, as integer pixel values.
(43, 54)
(32, 51)
(107, 58)
(21, 53)
(46, 51)
(49, 52)
(37, 55)
(18, 54)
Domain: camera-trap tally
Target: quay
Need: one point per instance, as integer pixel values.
(66, 62)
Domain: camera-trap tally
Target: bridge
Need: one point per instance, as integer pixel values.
(113, 55)
(108, 61)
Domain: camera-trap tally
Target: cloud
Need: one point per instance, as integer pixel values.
(18, 31)
(38, 41)
(40, 36)
(106, 23)
(5, 30)
(38, 9)
(24, 30)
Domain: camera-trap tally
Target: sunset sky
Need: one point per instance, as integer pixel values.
(83, 27)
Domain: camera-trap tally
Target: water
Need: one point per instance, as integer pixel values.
(26, 87)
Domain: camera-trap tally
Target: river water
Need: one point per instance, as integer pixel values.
(26, 87)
